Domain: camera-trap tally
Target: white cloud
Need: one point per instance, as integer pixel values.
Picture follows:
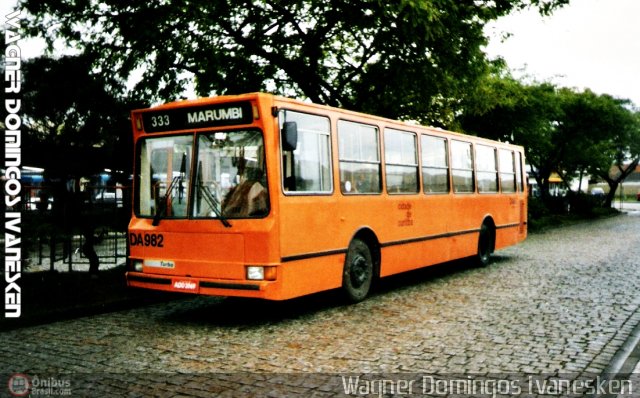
(588, 44)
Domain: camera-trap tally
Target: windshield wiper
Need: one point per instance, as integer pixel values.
(214, 204)
(165, 200)
(176, 181)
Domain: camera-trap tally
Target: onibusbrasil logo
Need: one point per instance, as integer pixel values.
(19, 385)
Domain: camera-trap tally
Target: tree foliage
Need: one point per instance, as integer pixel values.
(410, 59)
(563, 130)
(505, 109)
(73, 124)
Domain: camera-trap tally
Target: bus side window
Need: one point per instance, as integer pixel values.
(401, 161)
(507, 171)
(520, 177)
(462, 167)
(359, 153)
(289, 181)
(486, 169)
(307, 168)
(435, 165)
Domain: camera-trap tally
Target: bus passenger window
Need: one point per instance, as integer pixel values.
(520, 178)
(401, 161)
(462, 167)
(507, 171)
(359, 154)
(307, 169)
(435, 165)
(486, 168)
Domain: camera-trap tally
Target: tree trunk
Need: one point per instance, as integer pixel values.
(613, 187)
(614, 182)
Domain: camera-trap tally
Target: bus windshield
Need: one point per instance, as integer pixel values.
(222, 177)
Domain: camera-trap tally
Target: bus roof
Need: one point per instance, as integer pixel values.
(275, 99)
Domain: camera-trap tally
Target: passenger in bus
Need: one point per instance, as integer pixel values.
(289, 183)
(362, 184)
(247, 199)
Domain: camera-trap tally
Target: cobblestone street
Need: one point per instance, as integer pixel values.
(563, 302)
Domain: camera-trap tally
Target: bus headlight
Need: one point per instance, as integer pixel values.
(259, 273)
(137, 265)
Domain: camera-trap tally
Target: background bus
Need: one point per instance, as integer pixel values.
(263, 196)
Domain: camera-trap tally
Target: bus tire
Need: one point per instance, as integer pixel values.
(357, 274)
(486, 243)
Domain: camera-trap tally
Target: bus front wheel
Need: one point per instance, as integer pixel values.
(358, 271)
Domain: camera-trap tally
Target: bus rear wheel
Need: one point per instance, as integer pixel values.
(486, 243)
(358, 271)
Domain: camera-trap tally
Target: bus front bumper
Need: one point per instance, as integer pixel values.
(210, 287)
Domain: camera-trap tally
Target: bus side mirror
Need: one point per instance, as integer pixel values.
(289, 136)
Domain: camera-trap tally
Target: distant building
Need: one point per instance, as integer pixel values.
(632, 179)
(631, 184)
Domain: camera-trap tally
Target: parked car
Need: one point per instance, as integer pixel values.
(597, 192)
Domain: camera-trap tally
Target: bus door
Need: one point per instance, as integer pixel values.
(306, 204)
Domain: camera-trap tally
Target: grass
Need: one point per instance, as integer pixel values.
(548, 221)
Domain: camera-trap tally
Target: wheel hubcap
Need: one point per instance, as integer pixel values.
(358, 271)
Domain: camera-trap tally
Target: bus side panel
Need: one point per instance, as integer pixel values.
(308, 276)
(466, 213)
(308, 225)
(413, 232)
(465, 245)
(406, 257)
(515, 230)
(506, 237)
(312, 244)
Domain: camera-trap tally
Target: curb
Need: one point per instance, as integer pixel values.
(623, 362)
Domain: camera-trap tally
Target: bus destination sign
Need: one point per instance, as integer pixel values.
(200, 116)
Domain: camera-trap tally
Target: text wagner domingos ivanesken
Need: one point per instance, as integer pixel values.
(12, 163)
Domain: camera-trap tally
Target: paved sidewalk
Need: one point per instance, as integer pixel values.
(626, 206)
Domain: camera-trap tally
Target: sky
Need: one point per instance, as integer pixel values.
(591, 44)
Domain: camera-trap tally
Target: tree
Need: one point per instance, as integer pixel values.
(563, 130)
(73, 124)
(598, 132)
(73, 127)
(502, 108)
(410, 59)
(622, 155)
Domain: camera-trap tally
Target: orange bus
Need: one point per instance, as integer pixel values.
(262, 196)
